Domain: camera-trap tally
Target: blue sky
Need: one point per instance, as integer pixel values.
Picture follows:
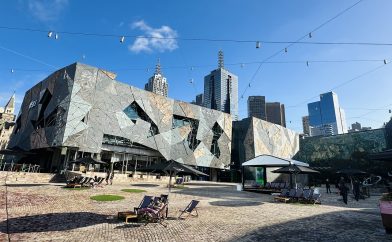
(33, 56)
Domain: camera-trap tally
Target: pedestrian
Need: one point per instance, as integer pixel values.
(111, 178)
(343, 189)
(328, 185)
(356, 189)
(107, 177)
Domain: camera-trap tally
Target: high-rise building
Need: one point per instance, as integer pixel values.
(199, 99)
(305, 125)
(275, 113)
(221, 90)
(257, 107)
(358, 127)
(326, 117)
(157, 83)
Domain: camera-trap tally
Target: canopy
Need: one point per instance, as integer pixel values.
(291, 169)
(88, 160)
(16, 152)
(173, 168)
(351, 172)
(270, 160)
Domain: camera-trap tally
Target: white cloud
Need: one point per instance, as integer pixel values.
(47, 10)
(163, 38)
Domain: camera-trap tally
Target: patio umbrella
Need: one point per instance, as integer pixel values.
(173, 168)
(294, 169)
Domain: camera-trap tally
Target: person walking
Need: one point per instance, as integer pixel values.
(356, 189)
(111, 178)
(343, 189)
(107, 178)
(328, 185)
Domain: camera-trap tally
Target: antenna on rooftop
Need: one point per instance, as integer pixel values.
(158, 67)
(221, 62)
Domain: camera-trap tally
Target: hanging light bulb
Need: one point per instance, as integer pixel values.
(249, 85)
(385, 62)
(192, 68)
(122, 39)
(12, 70)
(191, 80)
(50, 33)
(310, 35)
(242, 65)
(307, 63)
(56, 36)
(285, 50)
(257, 44)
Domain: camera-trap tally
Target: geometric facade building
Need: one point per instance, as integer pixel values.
(81, 110)
(157, 83)
(326, 117)
(221, 90)
(253, 137)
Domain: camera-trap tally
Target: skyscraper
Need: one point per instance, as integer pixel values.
(199, 99)
(257, 107)
(276, 113)
(157, 83)
(326, 117)
(221, 90)
(305, 125)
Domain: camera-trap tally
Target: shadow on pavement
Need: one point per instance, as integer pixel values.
(145, 185)
(235, 203)
(26, 185)
(336, 226)
(53, 222)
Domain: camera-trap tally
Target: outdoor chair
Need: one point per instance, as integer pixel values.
(299, 194)
(315, 199)
(75, 182)
(86, 182)
(283, 196)
(307, 195)
(144, 203)
(152, 215)
(189, 209)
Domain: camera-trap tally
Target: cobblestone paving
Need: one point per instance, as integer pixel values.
(48, 212)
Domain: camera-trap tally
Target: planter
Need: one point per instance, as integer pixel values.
(386, 215)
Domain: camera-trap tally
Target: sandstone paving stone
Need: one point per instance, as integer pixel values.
(51, 213)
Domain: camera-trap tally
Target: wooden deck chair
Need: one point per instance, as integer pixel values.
(189, 209)
(155, 216)
(147, 200)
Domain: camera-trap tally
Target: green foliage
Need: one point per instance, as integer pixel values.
(133, 190)
(106, 198)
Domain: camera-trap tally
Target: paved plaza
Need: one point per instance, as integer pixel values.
(47, 212)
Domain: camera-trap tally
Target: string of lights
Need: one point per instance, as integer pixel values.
(342, 84)
(308, 35)
(240, 64)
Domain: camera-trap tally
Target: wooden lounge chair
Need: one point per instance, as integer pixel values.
(151, 215)
(283, 196)
(147, 200)
(189, 209)
(287, 198)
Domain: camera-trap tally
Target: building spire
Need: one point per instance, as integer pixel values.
(10, 106)
(158, 67)
(221, 63)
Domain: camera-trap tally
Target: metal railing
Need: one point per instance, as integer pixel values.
(11, 166)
